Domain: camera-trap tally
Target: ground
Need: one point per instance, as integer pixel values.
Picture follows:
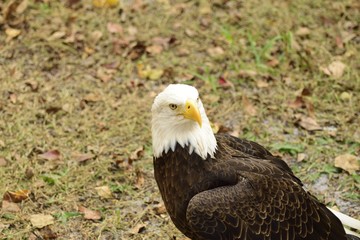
(77, 83)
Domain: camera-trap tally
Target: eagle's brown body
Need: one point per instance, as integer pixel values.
(242, 193)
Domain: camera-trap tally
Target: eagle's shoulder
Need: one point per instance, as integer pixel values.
(251, 154)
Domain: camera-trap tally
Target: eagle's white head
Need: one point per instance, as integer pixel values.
(178, 116)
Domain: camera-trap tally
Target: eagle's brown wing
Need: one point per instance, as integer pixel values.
(261, 207)
(267, 202)
(237, 147)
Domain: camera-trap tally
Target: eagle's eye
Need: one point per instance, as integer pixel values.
(172, 106)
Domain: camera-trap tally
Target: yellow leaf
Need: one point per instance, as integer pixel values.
(105, 3)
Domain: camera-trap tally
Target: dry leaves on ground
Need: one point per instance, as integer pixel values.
(89, 214)
(104, 192)
(41, 220)
(348, 162)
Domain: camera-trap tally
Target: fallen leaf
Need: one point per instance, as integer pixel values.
(105, 3)
(140, 227)
(303, 31)
(335, 69)
(32, 84)
(105, 75)
(204, 7)
(136, 51)
(22, 7)
(301, 157)
(309, 124)
(90, 214)
(273, 62)
(50, 155)
(104, 192)
(92, 97)
(348, 162)
(114, 28)
(215, 51)
(297, 103)
(224, 83)
(17, 196)
(41, 220)
(2, 162)
(159, 209)
(12, 33)
(248, 106)
(82, 157)
(154, 49)
(95, 36)
(148, 72)
(138, 153)
(29, 173)
(10, 206)
(345, 96)
(262, 84)
(139, 179)
(46, 233)
(132, 30)
(13, 98)
(56, 36)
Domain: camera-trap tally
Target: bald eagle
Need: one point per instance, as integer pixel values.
(222, 187)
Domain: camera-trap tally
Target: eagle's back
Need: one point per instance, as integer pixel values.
(242, 193)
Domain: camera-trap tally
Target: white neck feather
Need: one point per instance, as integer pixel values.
(165, 135)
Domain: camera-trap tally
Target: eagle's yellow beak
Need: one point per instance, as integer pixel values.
(191, 111)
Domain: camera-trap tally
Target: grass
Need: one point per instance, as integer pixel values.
(80, 93)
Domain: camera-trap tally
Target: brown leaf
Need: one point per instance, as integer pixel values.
(32, 84)
(22, 7)
(46, 233)
(297, 103)
(139, 179)
(248, 106)
(105, 75)
(140, 227)
(303, 31)
(262, 84)
(138, 153)
(56, 36)
(309, 123)
(301, 157)
(50, 155)
(136, 51)
(92, 97)
(159, 209)
(82, 157)
(104, 192)
(215, 51)
(114, 28)
(335, 69)
(224, 83)
(348, 162)
(154, 49)
(10, 206)
(89, 214)
(41, 220)
(2, 162)
(17, 196)
(13, 98)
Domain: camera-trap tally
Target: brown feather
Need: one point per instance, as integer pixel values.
(244, 192)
